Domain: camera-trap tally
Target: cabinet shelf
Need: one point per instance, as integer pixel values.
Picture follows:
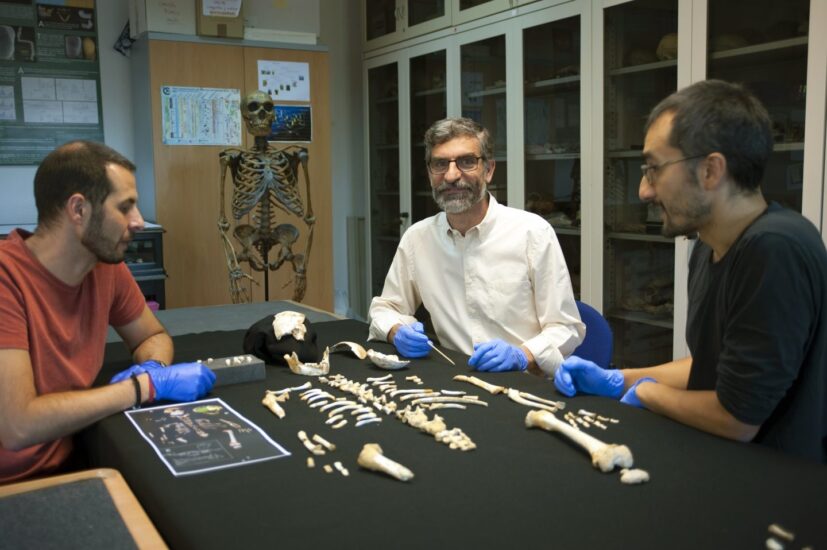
(386, 147)
(768, 51)
(642, 318)
(657, 65)
(551, 82)
(553, 156)
(623, 236)
(431, 92)
(788, 146)
(574, 231)
(627, 153)
(387, 100)
(499, 90)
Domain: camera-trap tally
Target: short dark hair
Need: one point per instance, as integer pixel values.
(449, 128)
(74, 167)
(716, 116)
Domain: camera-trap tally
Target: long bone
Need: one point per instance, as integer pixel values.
(371, 458)
(447, 399)
(605, 456)
(490, 388)
(515, 396)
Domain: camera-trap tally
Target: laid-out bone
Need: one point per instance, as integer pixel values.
(604, 456)
(449, 399)
(633, 476)
(490, 388)
(531, 397)
(289, 322)
(371, 458)
(270, 401)
(352, 347)
(387, 362)
(308, 369)
(516, 396)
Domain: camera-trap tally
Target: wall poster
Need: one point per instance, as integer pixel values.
(200, 116)
(49, 77)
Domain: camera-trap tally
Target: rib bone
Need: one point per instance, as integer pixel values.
(372, 458)
(604, 456)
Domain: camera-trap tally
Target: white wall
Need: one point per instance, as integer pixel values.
(16, 193)
(339, 31)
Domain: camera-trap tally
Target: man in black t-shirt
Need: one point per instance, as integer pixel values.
(757, 320)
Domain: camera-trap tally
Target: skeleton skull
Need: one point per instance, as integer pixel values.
(258, 113)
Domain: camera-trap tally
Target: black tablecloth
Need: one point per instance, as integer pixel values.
(519, 487)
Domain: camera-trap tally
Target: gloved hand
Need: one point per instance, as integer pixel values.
(140, 368)
(411, 341)
(182, 381)
(578, 375)
(498, 356)
(630, 397)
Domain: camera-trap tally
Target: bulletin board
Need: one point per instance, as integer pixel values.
(49, 77)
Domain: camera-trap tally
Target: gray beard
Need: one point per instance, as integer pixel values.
(462, 203)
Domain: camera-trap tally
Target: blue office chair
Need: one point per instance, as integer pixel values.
(598, 344)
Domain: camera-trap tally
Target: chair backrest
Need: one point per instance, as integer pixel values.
(598, 344)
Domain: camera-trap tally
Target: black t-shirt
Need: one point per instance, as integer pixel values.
(757, 330)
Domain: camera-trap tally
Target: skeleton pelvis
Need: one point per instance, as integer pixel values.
(263, 239)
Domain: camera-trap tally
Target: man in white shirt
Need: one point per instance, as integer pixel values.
(493, 278)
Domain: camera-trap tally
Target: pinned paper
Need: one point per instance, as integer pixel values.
(221, 8)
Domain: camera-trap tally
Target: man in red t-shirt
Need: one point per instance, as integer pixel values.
(60, 288)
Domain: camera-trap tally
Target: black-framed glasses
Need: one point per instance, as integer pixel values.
(465, 163)
(650, 170)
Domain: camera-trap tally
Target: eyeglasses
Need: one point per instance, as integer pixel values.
(650, 170)
(465, 163)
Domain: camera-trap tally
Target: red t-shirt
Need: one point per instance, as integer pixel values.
(64, 330)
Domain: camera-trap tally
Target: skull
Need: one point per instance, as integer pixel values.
(258, 114)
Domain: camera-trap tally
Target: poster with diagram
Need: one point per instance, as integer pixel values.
(49, 77)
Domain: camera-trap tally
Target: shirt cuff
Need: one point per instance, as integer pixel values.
(547, 357)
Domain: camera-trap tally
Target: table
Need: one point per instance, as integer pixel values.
(91, 508)
(519, 487)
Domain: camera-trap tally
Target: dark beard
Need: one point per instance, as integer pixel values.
(96, 242)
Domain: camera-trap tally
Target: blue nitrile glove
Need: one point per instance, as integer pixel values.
(140, 368)
(498, 356)
(630, 397)
(182, 381)
(411, 341)
(578, 375)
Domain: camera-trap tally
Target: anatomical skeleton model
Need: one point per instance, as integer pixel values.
(264, 181)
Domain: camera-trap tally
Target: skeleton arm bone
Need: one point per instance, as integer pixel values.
(237, 292)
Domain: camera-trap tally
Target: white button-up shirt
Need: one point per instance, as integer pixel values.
(506, 278)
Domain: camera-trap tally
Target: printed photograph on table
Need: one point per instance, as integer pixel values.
(202, 436)
(292, 123)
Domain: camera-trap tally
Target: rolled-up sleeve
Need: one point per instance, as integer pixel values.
(400, 297)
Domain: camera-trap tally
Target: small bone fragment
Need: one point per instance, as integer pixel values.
(371, 458)
(340, 424)
(490, 388)
(318, 404)
(633, 476)
(780, 532)
(388, 362)
(361, 423)
(332, 404)
(452, 392)
(328, 469)
(388, 376)
(604, 456)
(366, 415)
(289, 322)
(342, 469)
(271, 403)
(309, 445)
(773, 544)
(516, 396)
(353, 347)
(584, 412)
(435, 406)
(324, 442)
(310, 462)
(417, 391)
(308, 369)
(447, 399)
(333, 419)
(600, 425)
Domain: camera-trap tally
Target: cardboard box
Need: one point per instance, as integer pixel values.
(170, 16)
(224, 27)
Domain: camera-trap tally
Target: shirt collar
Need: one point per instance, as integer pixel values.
(482, 228)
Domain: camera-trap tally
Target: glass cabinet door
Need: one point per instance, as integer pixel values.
(428, 104)
(551, 73)
(420, 12)
(380, 18)
(640, 56)
(482, 87)
(763, 45)
(383, 135)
